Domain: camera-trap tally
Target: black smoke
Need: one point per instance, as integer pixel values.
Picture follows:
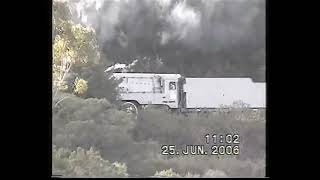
(203, 38)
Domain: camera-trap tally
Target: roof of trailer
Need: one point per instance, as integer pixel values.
(146, 75)
(224, 79)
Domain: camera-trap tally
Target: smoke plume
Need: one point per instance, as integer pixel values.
(206, 38)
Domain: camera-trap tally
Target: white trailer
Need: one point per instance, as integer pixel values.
(218, 92)
(187, 94)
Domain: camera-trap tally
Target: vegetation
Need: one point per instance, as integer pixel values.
(82, 163)
(97, 123)
(77, 61)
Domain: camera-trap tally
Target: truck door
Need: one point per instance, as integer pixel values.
(170, 96)
(173, 91)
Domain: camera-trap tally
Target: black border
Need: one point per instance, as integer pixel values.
(29, 30)
(268, 87)
(50, 88)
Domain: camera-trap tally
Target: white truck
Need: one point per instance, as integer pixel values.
(174, 91)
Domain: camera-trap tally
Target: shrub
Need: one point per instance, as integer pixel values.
(214, 174)
(97, 123)
(85, 163)
(166, 173)
(80, 87)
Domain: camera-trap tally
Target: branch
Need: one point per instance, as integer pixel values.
(64, 70)
(61, 100)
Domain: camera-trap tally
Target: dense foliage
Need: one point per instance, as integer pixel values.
(93, 122)
(77, 62)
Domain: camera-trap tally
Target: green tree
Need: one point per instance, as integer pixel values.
(74, 46)
(76, 56)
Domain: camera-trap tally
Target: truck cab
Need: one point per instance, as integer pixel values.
(149, 89)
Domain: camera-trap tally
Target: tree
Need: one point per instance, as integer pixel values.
(74, 46)
(76, 55)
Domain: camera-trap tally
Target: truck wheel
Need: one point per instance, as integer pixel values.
(130, 108)
(165, 108)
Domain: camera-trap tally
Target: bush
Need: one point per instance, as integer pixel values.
(80, 87)
(100, 84)
(84, 163)
(209, 174)
(181, 130)
(230, 166)
(171, 174)
(214, 174)
(97, 123)
(166, 173)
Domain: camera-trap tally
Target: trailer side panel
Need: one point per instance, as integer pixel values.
(217, 92)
